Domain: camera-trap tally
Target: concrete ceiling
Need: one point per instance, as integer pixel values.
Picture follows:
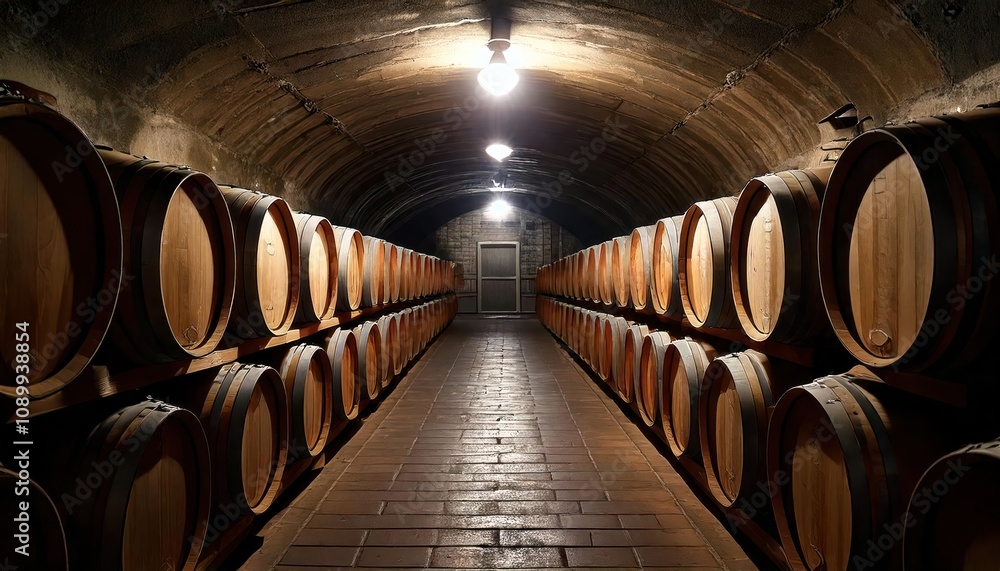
(336, 96)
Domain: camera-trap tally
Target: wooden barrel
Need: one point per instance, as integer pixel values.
(666, 287)
(318, 266)
(590, 290)
(703, 264)
(605, 283)
(601, 362)
(631, 361)
(614, 349)
(408, 334)
(63, 247)
(350, 275)
(179, 248)
(308, 378)
(908, 235)
(396, 346)
(684, 365)
(342, 349)
(620, 252)
(649, 393)
(640, 263)
(392, 277)
(773, 259)
(152, 511)
(373, 281)
(733, 414)
(245, 415)
(40, 535)
(369, 359)
(951, 519)
(389, 329)
(844, 458)
(267, 253)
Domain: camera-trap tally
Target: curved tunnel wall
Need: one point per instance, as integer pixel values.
(324, 102)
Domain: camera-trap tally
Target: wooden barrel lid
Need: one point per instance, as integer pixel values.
(318, 267)
(649, 393)
(685, 363)
(342, 348)
(308, 378)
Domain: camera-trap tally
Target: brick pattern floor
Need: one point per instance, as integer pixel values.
(497, 452)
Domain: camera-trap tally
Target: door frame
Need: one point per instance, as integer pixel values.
(516, 278)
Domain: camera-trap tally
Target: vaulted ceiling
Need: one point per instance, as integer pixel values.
(372, 107)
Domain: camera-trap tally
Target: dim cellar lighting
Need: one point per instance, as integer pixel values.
(499, 151)
(498, 209)
(498, 77)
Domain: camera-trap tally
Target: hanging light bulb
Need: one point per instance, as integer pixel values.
(498, 209)
(499, 151)
(498, 77)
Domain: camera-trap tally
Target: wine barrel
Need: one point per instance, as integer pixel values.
(179, 247)
(614, 349)
(389, 329)
(406, 332)
(951, 520)
(318, 267)
(649, 395)
(908, 234)
(245, 415)
(397, 338)
(267, 251)
(342, 349)
(152, 512)
(666, 287)
(373, 281)
(369, 358)
(640, 263)
(733, 414)
(627, 387)
(773, 258)
(684, 374)
(392, 278)
(620, 251)
(44, 537)
(597, 347)
(350, 275)
(592, 290)
(308, 378)
(703, 270)
(63, 246)
(605, 282)
(844, 457)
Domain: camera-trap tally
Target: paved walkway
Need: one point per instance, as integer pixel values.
(496, 452)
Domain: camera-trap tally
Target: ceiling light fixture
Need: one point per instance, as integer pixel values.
(499, 151)
(498, 209)
(498, 77)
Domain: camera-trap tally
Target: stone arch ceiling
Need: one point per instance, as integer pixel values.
(331, 95)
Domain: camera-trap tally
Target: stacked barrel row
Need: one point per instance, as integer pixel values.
(184, 473)
(153, 263)
(892, 252)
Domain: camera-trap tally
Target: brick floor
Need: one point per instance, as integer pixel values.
(497, 452)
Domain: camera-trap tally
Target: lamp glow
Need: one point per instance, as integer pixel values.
(498, 209)
(498, 78)
(499, 151)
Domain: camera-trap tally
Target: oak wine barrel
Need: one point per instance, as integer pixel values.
(666, 287)
(267, 253)
(397, 338)
(350, 275)
(389, 330)
(593, 289)
(605, 280)
(951, 517)
(685, 364)
(369, 359)
(373, 282)
(392, 277)
(152, 512)
(245, 415)
(620, 252)
(179, 246)
(318, 266)
(773, 258)
(63, 246)
(42, 538)
(640, 263)
(908, 236)
(308, 379)
(342, 349)
(703, 264)
(597, 347)
(628, 385)
(845, 457)
(614, 349)
(649, 395)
